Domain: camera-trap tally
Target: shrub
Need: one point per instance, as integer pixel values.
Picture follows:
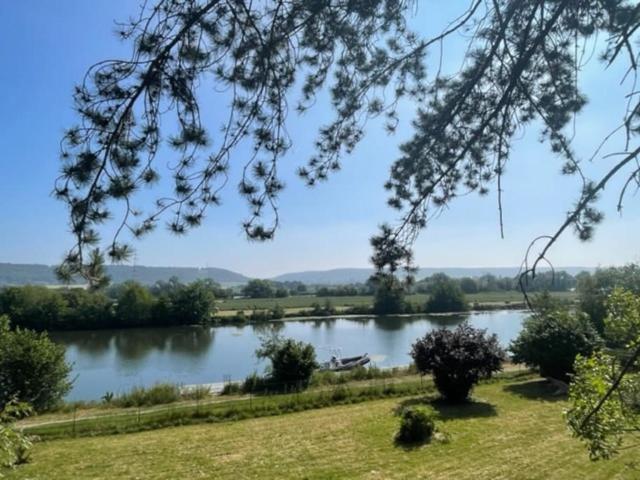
(157, 394)
(292, 362)
(446, 296)
(200, 392)
(15, 446)
(457, 359)
(32, 368)
(550, 341)
(416, 425)
(231, 388)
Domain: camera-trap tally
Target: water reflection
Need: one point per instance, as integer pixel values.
(118, 359)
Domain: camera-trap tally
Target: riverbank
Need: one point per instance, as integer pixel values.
(513, 429)
(248, 310)
(119, 360)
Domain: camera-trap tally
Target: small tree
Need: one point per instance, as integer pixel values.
(134, 305)
(292, 362)
(551, 340)
(458, 359)
(15, 446)
(446, 296)
(32, 368)
(389, 294)
(257, 288)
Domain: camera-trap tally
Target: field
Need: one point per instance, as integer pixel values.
(513, 430)
(306, 301)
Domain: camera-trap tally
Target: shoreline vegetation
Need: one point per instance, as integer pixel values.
(131, 305)
(165, 405)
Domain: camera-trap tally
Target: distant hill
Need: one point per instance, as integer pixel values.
(360, 275)
(21, 274)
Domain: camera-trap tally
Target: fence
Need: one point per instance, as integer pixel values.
(279, 399)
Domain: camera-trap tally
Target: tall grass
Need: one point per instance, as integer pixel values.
(158, 394)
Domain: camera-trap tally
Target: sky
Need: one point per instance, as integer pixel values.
(46, 47)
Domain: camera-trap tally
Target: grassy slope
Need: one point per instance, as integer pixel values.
(306, 301)
(513, 431)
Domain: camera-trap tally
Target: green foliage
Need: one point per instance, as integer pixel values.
(33, 307)
(594, 289)
(602, 430)
(15, 446)
(292, 362)
(129, 304)
(192, 303)
(257, 288)
(32, 368)
(389, 294)
(457, 359)
(622, 323)
(446, 296)
(157, 394)
(550, 342)
(134, 305)
(605, 397)
(417, 425)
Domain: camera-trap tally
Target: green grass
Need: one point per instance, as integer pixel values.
(238, 408)
(306, 301)
(514, 430)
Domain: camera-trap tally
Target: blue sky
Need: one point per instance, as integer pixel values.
(45, 48)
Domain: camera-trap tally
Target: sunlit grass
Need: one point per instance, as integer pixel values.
(513, 430)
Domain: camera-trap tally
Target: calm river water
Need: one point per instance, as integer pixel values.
(117, 360)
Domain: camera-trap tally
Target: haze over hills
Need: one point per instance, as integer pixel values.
(21, 274)
(360, 275)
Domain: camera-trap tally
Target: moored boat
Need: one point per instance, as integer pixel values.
(337, 364)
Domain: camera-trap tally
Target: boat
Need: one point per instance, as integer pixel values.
(338, 364)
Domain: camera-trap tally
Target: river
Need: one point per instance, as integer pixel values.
(117, 360)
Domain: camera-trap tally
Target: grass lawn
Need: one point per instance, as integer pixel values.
(513, 430)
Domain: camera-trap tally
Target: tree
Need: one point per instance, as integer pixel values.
(292, 362)
(446, 296)
(551, 340)
(457, 359)
(604, 398)
(34, 307)
(193, 303)
(134, 305)
(594, 290)
(259, 289)
(389, 294)
(521, 66)
(364, 54)
(32, 368)
(468, 285)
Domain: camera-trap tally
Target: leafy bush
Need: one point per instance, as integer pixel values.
(292, 362)
(457, 359)
(158, 394)
(32, 368)
(15, 446)
(550, 342)
(416, 425)
(446, 296)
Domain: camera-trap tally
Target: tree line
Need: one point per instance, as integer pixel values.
(129, 304)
